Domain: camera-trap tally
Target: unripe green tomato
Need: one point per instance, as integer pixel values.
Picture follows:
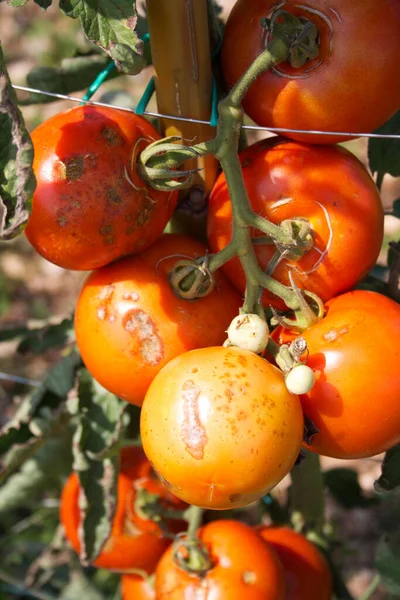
(249, 332)
(300, 380)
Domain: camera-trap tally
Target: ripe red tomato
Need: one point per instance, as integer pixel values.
(355, 354)
(134, 587)
(244, 568)
(135, 542)
(129, 323)
(326, 185)
(307, 572)
(220, 427)
(90, 206)
(332, 92)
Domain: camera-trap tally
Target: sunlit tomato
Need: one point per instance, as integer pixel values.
(332, 92)
(245, 568)
(90, 206)
(129, 323)
(355, 354)
(134, 587)
(326, 185)
(220, 427)
(135, 542)
(307, 572)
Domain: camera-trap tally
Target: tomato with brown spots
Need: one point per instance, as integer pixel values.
(354, 352)
(134, 587)
(220, 427)
(307, 572)
(90, 206)
(326, 185)
(135, 542)
(244, 567)
(333, 91)
(129, 323)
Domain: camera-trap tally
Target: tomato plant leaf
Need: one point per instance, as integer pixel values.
(390, 477)
(43, 3)
(344, 486)
(111, 25)
(17, 180)
(80, 586)
(384, 154)
(387, 561)
(49, 337)
(396, 208)
(74, 74)
(96, 461)
(16, 3)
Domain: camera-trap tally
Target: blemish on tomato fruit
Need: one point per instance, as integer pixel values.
(192, 431)
(195, 370)
(134, 296)
(113, 196)
(74, 168)
(106, 293)
(62, 220)
(242, 360)
(101, 313)
(334, 334)
(106, 230)
(151, 347)
(234, 497)
(249, 577)
(111, 136)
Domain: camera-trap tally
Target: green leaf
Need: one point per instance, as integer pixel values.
(80, 587)
(96, 461)
(344, 487)
(387, 561)
(111, 25)
(396, 208)
(390, 478)
(43, 3)
(17, 180)
(384, 154)
(73, 75)
(38, 413)
(49, 337)
(16, 3)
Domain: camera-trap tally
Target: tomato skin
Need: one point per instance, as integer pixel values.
(332, 92)
(134, 542)
(326, 185)
(307, 572)
(129, 323)
(355, 352)
(134, 587)
(239, 555)
(210, 413)
(86, 213)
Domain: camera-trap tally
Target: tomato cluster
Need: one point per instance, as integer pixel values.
(219, 426)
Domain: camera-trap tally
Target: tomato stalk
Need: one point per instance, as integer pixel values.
(307, 493)
(160, 162)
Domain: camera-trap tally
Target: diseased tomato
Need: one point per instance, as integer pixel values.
(129, 323)
(307, 572)
(220, 427)
(326, 185)
(355, 352)
(90, 207)
(134, 587)
(332, 92)
(135, 542)
(245, 568)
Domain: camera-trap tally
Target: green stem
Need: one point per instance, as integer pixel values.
(307, 491)
(367, 595)
(193, 515)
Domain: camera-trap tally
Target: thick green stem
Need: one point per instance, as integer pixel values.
(193, 516)
(307, 491)
(367, 595)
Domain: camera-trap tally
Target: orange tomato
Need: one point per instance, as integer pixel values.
(355, 354)
(220, 427)
(134, 587)
(90, 206)
(333, 92)
(135, 542)
(307, 572)
(129, 323)
(244, 568)
(326, 185)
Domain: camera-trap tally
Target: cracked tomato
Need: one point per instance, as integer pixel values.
(129, 323)
(90, 207)
(135, 542)
(220, 427)
(332, 92)
(326, 185)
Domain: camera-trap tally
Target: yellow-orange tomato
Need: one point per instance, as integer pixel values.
(134, 587)
(90, 206)
(244, 568)
(332, 92)
(307, 572)
(354, 352)
(220, 427)
(326, 185)
(135, 542)
(129, 323)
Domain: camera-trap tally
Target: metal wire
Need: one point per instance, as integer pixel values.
(393, 136)
(18, 379)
